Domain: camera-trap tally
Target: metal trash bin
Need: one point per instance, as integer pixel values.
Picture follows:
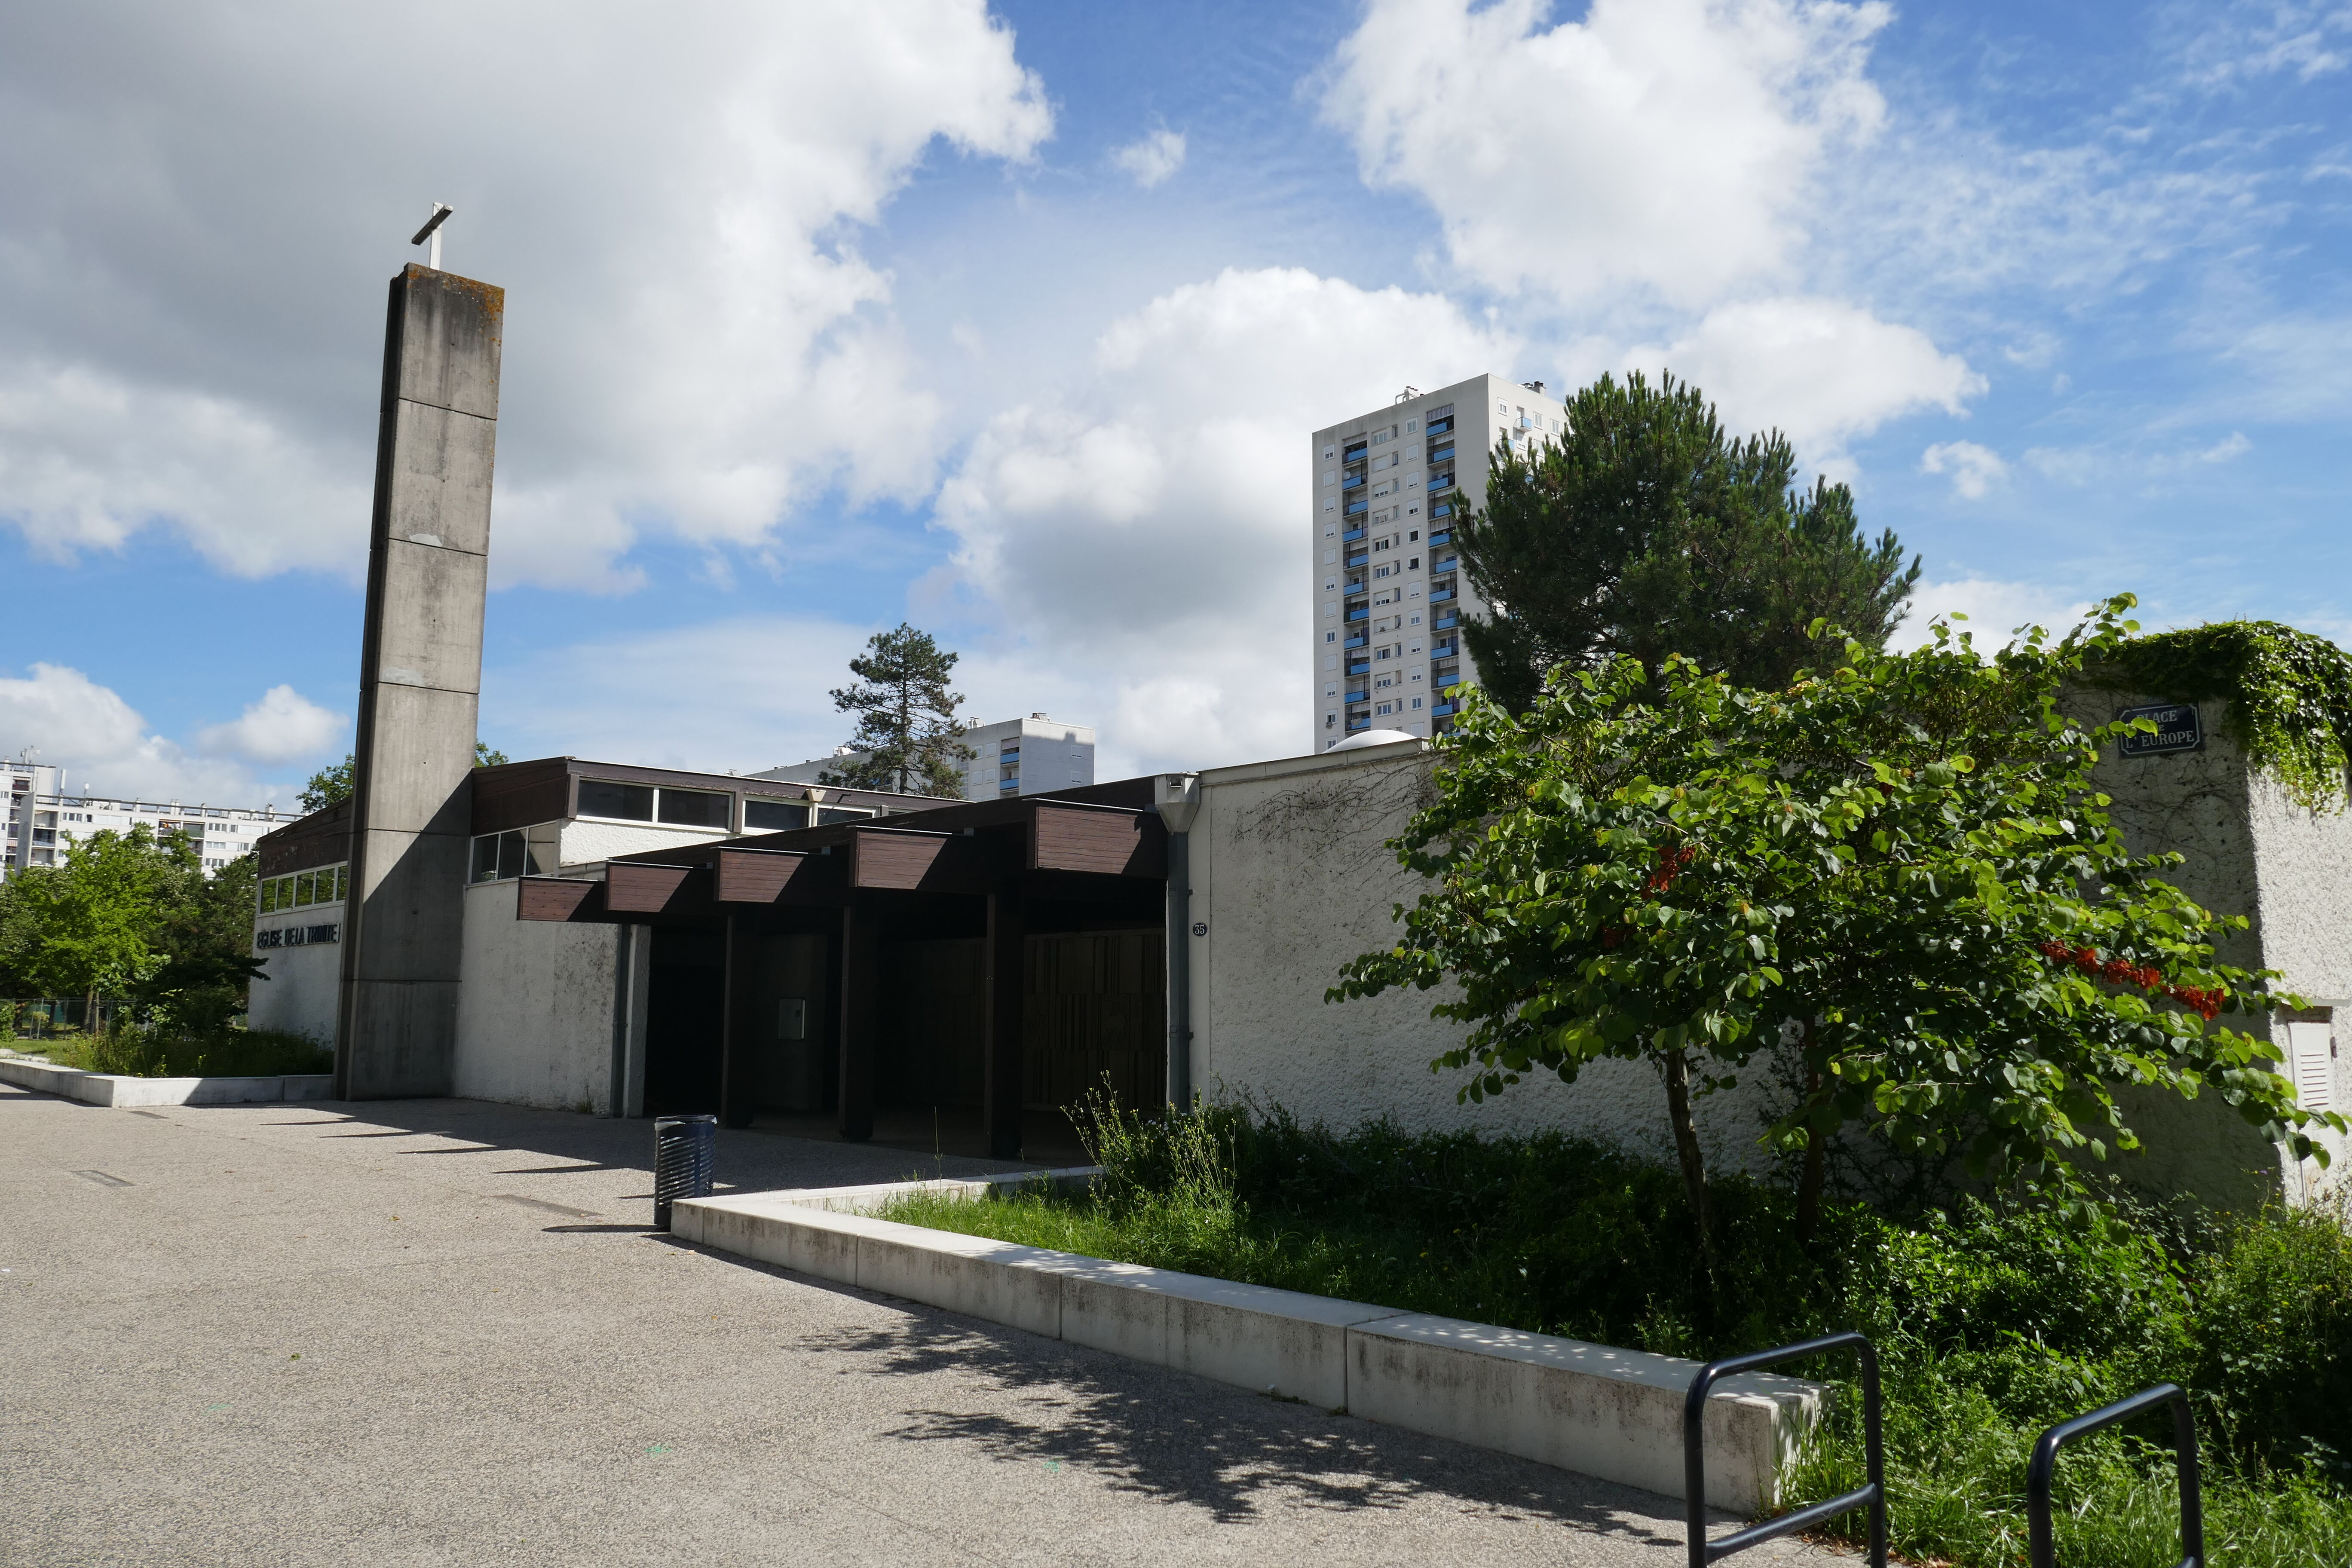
(684, 1149)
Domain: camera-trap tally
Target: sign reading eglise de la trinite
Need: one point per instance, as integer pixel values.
(2178, 729)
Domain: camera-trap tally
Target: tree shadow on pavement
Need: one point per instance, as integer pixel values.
(749, 1159)
(1181, 1439)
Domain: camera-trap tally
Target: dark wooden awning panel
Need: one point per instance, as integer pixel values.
(777, 877)
(1103, 840)
(637, 888)
(563, 898)
(911, 860)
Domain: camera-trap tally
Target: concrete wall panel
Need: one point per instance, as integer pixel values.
(535, 1017)
(432, 629)
(399, 1038)
(450, 350)
(1292, 878)
(418, 923)
(441, 489)
(301, 985)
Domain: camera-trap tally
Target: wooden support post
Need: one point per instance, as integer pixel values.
(739, 1089)
(1007, 978)
(861, 968)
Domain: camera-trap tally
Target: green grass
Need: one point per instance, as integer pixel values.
(225, 1053)
(1991, 1325)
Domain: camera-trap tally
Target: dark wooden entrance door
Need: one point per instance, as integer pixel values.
(684, 1020)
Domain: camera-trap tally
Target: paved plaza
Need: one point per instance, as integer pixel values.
(439, 1332)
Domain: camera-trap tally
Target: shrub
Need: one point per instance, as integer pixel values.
(1991, 1322)
(160, 1052)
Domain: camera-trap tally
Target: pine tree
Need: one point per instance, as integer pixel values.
(907, 732)
(1646, 530)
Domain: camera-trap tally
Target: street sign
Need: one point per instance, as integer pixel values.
(2178, 729)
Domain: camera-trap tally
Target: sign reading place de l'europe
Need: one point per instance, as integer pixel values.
(2178, 729)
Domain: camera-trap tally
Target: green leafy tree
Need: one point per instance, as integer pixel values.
(1645, 530)
(907, 732)
(331, 786)
(1900, 868)
(87, 926)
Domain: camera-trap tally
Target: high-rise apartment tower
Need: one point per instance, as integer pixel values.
(1390, 594)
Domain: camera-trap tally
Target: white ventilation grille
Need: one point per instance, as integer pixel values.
(2311, 1057)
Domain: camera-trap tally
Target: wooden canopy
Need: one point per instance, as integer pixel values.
(997, 870)
(1048, 847)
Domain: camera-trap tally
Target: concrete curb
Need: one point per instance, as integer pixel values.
(1614, 1414)
(119, 1090)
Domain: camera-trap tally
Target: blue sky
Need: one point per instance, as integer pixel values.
(1013, 320)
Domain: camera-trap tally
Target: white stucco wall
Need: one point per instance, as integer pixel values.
(2250, 851)
(535, 1007)
(1291, 877)
(584, 843)
(1292, 880)
(303, 982)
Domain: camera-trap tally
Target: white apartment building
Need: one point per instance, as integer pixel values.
(44, 821)
(1390, 595)
(1035, 756)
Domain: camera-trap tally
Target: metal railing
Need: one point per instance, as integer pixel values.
(48, 1018)
(2038, 1475)
(1872, 1494)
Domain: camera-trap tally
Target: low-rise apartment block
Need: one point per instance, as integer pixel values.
(1012, 757)
(44, 821)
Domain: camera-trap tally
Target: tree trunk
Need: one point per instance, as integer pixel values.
(1810, 1183)
(1816, 1168)
(1693, 1162)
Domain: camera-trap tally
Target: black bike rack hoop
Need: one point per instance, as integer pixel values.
(1871, 1495)
(2038, 1475)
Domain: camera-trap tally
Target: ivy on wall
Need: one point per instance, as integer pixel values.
(2288, 696)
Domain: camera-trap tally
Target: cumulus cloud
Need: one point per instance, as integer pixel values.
(1664, 145)
(1821, 370)
(106, 747)
(1135, 524)
(748, 693)
(672, 201)
(283, 727)
(1974, 469)
(1154, 159)
(1994, 609)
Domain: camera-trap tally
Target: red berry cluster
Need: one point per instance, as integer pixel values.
(2115, 972)
(1671, 861)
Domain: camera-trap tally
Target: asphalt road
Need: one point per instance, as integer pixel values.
(439, 1332)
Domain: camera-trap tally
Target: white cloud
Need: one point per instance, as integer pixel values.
(1139, 532)
(1974, 469)
(283, 727)
(105, 746)
(88, 457)
(1662, 145)
(748, 693)
(672, 200)
(2133, 461)
(1824, 371)
(2242, 43)
(1154, 159)
(1994, 609)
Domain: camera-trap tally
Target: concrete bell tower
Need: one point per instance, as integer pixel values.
(420, 686)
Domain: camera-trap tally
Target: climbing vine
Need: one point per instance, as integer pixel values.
(2287, 696)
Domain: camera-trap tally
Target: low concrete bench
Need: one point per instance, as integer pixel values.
(121, 1091)
(1614, 1414)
